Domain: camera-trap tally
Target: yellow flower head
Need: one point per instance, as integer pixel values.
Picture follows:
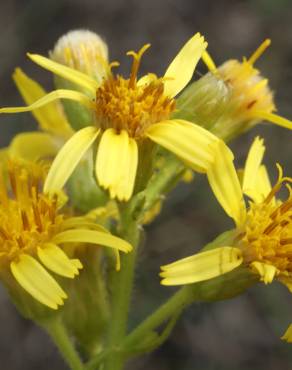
(126, 111)
(263, 235)
(33, 231)
(251, 97)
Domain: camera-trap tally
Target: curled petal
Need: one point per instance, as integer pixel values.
(68, 73)
(50, 117)
(49, 98)
(93, 237)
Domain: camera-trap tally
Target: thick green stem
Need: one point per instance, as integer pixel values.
(175, 304)
(60, 336)
(122, 290)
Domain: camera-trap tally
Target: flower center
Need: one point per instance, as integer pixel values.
(125, 104)
(27, 217)
(267, 234)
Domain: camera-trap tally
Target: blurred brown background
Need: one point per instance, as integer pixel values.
(242, 333)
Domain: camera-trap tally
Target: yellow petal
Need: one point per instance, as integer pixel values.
(37, 281)
(50, 117)
(201, 266)
(256, 182)
(32, 146)
(68, 73)
(252, 165)
(274, 118)
(288, 335)
(188, 141)
(116, 164)
(262, 187)
(68, 158)
(57, 261)
(82, 222)
(206, 57)
(266, 272)
(93, 237)
(225, 184)
(181, 69)
(50, 97)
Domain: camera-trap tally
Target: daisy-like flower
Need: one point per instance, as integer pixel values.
(34, 233)
(251, 99)
(262, 239)
(126, 112)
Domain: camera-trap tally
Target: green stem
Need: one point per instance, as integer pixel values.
(60, 336)
(163, 182)
(122, 289)
(176, 303)
(135, 343)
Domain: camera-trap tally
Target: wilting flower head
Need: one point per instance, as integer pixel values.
(262, 240)
(251, 99)
(33, 232)
(125, 112)
(82, 50)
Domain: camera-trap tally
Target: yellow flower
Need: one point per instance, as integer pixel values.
(126, 112)
(34, 232)
(251, 97)
(263, 236)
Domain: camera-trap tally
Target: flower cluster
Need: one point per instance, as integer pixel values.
(119, 144)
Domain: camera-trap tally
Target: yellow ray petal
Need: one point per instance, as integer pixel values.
(252, 164)
(202, 266)
(262, 186)
(266, 272)
(93, 237)
(50, 97)
(50, 117)
(57, 261)
(188, 141)
(32, 146)
(287, 336)
(181, 69)
(274, 118)
(225, 184)
(78, 222)
(68, 73)
(116, 164)
(207, 59)
(124, 188)
(37, 281)
(68, 158)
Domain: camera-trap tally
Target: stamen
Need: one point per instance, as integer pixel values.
(259, 51)
(136, 63)
(25, 221)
